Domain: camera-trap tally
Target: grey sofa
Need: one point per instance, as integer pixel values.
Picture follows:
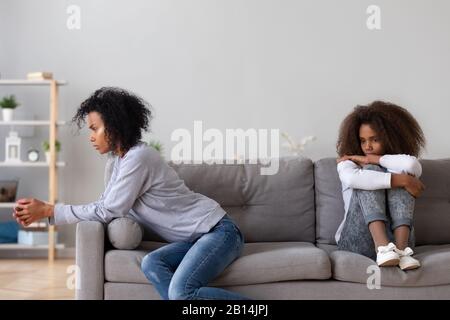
(289, 221)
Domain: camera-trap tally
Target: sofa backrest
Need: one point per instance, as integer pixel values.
(277, 207)
(329, 201)
(432, 208)
(432, 211)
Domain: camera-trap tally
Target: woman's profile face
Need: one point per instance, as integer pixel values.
(97, 136)
(370, 141)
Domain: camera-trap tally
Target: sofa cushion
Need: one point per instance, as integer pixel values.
(124, 233)
(259, 263)
(329, 201)
(435, 261)
(267, 208)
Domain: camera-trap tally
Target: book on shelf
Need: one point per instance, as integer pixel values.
(34, 234)
(36, 226)
(42, 75)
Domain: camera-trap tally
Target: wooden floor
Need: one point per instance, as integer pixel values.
(36, 279)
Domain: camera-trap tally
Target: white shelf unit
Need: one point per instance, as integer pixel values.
(12, 204)
(7, 204)
(15, 246)
(23, 251)
(15, 82)
(30, 123)
(30, 164)
(52, 165)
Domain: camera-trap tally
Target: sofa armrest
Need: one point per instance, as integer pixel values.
(90, 256)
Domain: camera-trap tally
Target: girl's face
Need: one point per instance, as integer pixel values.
(370, 141)
(97, 137)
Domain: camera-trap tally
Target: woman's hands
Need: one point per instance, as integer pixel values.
(28, 211)
(361, 160)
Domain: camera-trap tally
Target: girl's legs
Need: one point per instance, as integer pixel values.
(365, 225)
(401, 210)
(207, 258)
(378, 231)
(401, 235)
(355, 236)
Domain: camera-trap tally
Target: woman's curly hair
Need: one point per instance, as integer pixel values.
(124, 114)
(399, 132)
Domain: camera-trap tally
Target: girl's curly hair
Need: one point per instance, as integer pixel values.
(398, 130)
(124, 114)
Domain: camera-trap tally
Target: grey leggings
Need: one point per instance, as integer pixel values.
(393, 206)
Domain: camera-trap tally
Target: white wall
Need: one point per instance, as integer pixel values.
(299, 66)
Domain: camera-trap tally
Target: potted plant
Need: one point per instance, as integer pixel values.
(46, 147)
(157, 145)
(8, 105)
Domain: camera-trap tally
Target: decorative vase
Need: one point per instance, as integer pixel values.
(7, 114)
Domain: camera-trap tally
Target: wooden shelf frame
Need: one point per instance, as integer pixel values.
(52, 165)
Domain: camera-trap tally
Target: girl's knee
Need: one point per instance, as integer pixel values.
(399, 194)
(377, 195)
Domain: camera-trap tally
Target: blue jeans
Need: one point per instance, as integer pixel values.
(393, 206)
(182, 270)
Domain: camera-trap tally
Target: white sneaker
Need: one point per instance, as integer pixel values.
(387, 256)
(406, 261)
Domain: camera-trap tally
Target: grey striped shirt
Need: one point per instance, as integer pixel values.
(142, 186)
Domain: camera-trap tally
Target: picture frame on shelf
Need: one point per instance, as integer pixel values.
(8, 190)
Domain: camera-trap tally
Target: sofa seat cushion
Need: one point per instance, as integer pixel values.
(261, 262)
(435, 261)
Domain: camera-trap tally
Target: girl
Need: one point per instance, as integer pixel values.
(378, 145)
(203, 238)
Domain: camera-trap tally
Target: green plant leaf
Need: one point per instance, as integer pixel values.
(46, 146)
(157, 145)
(9, 102)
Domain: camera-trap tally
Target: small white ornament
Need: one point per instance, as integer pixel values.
(12, 153)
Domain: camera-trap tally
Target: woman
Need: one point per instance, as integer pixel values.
(203, 239)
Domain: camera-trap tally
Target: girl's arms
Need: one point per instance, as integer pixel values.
(395, 163)
(404, 173)
(412, 184)
(401, 163)
(353, 176)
